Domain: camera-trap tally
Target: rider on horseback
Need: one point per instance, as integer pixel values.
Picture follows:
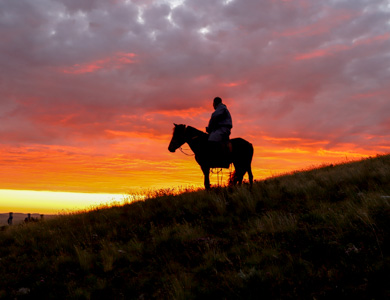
(219, 128)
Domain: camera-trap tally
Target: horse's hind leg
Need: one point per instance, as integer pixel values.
(238, 176)
(250, 175)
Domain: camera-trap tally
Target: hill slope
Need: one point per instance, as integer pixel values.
(316, 234)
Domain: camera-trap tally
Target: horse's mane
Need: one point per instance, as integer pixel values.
(195, 131)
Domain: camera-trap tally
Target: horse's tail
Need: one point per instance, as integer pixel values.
(249, 169)
(244, 166)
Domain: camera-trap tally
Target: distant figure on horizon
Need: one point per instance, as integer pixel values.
(10, 218)
(219, 129)
(30, 219)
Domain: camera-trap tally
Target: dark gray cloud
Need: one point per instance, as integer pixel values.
(310, 69)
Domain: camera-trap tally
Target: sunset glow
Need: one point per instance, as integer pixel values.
(89, 91)
(43, 202)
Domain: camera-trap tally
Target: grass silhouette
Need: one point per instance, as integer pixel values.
(318, 234)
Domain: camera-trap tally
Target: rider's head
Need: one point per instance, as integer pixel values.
(217, 101)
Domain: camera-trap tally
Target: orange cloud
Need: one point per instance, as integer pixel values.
(118, 61)
(295, 141)
(233, 84)
(85, 169)
(138, 162)
(183, 113)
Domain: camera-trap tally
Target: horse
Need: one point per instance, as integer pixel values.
(241, 152)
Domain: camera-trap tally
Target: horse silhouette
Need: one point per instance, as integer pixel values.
(241, 152)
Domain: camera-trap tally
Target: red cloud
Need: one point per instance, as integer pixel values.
(233, 84)
(334, 49)
(119, 60)
(370, 40)
(322, 52)
(331, 20)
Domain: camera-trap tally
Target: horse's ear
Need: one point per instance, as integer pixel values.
(175, 124)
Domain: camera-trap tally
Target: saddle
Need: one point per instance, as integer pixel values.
(220, 154)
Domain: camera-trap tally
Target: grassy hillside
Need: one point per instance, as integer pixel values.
(317, 234)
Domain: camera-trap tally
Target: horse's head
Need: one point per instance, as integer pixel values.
(178, 137)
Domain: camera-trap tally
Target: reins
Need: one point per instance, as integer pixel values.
(181, 149)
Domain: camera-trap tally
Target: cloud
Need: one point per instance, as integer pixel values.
(94, 72)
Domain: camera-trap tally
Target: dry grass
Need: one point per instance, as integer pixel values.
(317, 234)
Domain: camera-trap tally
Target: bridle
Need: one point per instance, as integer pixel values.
(193, 138)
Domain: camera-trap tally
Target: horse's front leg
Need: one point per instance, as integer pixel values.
(206, 173)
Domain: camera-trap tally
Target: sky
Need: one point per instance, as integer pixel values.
(89, 90)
